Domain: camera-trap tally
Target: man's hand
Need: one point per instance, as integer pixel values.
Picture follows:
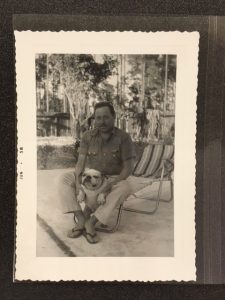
(78, 171)
(78, 187)
(101, 199)
(126, 171)
(81, 196)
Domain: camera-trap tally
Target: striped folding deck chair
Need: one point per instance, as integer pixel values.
(157, 164)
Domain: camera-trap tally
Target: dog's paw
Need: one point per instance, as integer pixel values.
(80, 197)
(101, 199)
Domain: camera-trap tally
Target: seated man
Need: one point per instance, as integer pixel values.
(110, 151)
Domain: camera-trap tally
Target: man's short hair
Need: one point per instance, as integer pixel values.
(105, 104)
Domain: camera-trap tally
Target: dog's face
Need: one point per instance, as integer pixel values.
(92, 179)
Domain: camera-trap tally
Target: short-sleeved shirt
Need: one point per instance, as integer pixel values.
(106, 156)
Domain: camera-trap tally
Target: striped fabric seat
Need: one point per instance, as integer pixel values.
(150, 163)
(149, 169)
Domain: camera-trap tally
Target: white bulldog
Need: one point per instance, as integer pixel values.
(92, 183)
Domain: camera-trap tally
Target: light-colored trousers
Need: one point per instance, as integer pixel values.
(119, 193)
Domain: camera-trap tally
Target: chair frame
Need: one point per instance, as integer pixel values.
(150, 212)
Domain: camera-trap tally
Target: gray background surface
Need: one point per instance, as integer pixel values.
(210, 156)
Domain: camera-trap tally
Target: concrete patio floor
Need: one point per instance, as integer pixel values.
(138, 235)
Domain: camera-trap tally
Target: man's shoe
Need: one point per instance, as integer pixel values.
(75, 232)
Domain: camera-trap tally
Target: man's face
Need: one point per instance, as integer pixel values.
(104, 120)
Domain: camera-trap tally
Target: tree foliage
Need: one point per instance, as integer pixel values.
(80, 75)
(84, 80)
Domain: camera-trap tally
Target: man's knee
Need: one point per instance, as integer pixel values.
(123, 188)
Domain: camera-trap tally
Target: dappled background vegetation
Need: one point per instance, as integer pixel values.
(141, 88)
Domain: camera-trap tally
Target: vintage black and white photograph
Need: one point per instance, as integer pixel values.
(106, 130)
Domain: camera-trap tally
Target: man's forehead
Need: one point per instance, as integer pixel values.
(102, 110)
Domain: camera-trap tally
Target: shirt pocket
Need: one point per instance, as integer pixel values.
(115, 154)
(92, 153)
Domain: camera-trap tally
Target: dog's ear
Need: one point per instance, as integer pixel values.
(84, 174)
(83, 177)
(86, 170)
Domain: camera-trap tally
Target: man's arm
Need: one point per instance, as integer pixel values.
(125, 172)
(127, 156)
(79, 169)
(80, 164)
(81, 160)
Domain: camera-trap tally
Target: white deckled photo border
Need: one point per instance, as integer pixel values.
(181, 267)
